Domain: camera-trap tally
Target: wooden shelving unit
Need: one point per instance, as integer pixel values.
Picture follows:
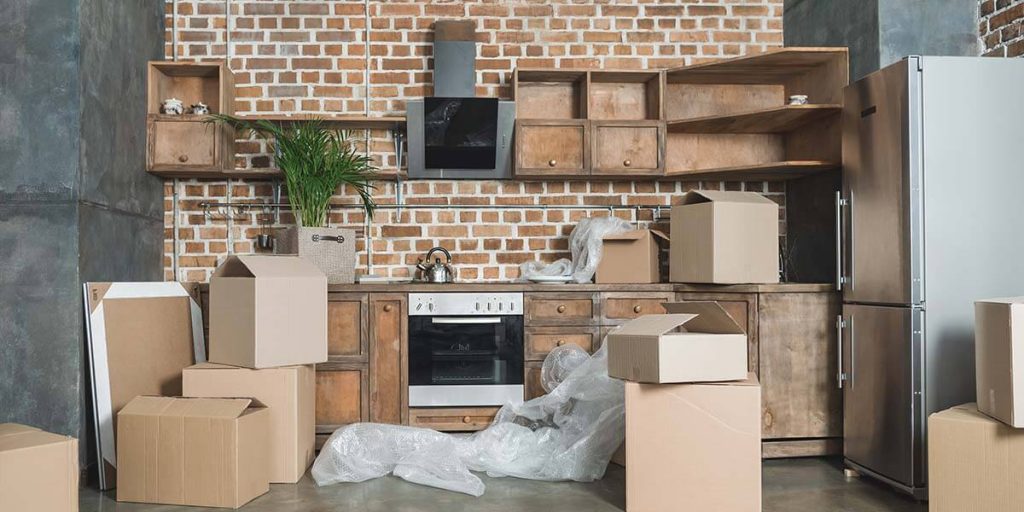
(770, 120)
(730, 120)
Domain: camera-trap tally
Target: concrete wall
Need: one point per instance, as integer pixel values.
(880, 32)
(75, 201)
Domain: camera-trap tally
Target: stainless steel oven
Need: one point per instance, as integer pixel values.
(465, 349)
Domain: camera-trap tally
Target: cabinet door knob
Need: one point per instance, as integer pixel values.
(561, 308)
(637, 308)
(552, 162)
(388, 308)
(560, 343)
(467, 419)
(626, 163)
(183, 158)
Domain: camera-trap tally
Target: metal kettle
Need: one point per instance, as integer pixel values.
(437, 272)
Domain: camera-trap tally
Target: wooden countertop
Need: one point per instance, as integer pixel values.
(590, 287)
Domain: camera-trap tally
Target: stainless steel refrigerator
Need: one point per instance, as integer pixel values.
(930, 217)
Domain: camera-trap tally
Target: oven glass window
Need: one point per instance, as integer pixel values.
(465, 350)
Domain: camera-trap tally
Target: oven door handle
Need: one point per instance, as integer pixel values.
(466, 320)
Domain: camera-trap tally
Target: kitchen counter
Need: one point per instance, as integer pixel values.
(573, 287)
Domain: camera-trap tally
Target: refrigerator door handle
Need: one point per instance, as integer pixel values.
(840, 376)
(840, 203)
(853, 350)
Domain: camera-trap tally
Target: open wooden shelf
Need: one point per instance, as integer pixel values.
(358, 122)
(772, 171)
(771, 67)
(770, 120)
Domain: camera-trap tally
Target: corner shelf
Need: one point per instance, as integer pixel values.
(357, 122)
(771, 171)
(771, 120)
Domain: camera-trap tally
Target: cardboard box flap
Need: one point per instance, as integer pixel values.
(232, 266)
(718, 196)
(633, 235)
(1004, 300)
(215, 366)
(710, 317)
(653, 325)
(146, 405)
(966, 413)
(14, 437)
(189, 407)
(659, 234)
(280, 266)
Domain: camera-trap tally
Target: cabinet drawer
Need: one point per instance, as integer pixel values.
(541, 340)
(545, 148)
(532, 380)
(182, 145)
(550, 309)
(452, 419)
(621, 308)
(632, 148)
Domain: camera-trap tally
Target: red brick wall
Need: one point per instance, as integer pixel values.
(1001, 27)
(368, 57)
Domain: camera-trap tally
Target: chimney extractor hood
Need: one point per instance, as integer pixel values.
(454, 134)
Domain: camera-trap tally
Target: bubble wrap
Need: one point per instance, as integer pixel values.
(584, 247)
(568, 434)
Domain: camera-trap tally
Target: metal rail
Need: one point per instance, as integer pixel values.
(656, 208)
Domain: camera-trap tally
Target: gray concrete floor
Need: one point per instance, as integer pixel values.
(795, 485)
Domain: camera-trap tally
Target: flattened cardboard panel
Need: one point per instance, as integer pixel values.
(140, 335)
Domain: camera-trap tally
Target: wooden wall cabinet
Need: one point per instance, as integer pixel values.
(185, 145)
(552, 148)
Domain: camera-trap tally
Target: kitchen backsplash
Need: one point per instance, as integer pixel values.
(368, 57)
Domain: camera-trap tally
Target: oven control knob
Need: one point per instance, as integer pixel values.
(511, 306)
(419, 306)
(501, 306)
(488, 306)
(430, 306)
(477, 306)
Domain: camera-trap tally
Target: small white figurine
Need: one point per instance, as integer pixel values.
(172, 107)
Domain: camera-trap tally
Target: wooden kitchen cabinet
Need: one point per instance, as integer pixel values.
(452, 419)
(347, 325)
(627, 148)
(792, 349)
(552, 148)
(341, 396)
(532, 382)
(621, 307)
(539, 341)
(560, 308)
(389, 327)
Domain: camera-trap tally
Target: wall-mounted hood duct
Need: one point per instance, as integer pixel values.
(455, 58)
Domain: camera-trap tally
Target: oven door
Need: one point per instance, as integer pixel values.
(465, 360)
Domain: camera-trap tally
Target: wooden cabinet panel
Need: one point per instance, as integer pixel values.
(628, 148)
(799, 397)
(452, 419)
(182, 145)
(742, 307)
(388, 364)
(533, 387)
(340, 398)
(541, 340)
(551, 148)
(346, 326)
(560, 309)
(619, 308)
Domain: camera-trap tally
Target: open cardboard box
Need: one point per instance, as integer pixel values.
(999, 358)
(631, 257)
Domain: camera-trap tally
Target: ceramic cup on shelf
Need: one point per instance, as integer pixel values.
(172, 107)
(200, 108)
(798, 99)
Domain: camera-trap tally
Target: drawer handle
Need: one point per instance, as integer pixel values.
(552, 162)
(626, 163)
(637, 308)
(388, 308)
(183, 158)
(467, 419)
(560, 308)
(560, 343)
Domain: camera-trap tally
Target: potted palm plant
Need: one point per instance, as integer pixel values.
(315, 161)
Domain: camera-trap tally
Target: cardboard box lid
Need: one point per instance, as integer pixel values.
(217, 408)
(719, 196)
(219, 366)
(636, 234)
(967, 413)
(705, 317)
(14, 436)
(1003, 300)
(268, 267)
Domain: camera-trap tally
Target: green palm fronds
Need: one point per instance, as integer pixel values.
(315, 161)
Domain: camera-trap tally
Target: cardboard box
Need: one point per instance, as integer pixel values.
(725, 238)
(38, 470)
(695, 342)
(208, 452)
(999, 358)
(268, 311)
(974, 462)
(630, 257)
(693, 447)
(290, 396)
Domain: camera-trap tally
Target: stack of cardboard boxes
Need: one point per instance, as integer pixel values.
(976, 451)
(247, 417)
(693, 412)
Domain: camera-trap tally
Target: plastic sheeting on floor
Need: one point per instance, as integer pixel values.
(568, 434)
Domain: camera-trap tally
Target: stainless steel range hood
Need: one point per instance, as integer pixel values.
(453, 134)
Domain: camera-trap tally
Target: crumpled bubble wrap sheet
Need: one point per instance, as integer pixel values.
(568, 434)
